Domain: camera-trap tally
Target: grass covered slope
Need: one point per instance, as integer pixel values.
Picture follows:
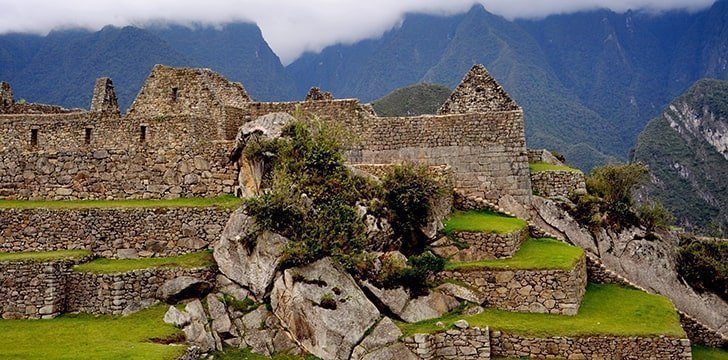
(87, 337)
(42, 256)
(227, 201)
(705, 353)
(418, 99)
(534, 254)
(605, 310)
(539, 167)
(110, 266)
(482, 221)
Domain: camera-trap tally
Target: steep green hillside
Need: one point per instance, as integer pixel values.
(412, 100)
(687, 152)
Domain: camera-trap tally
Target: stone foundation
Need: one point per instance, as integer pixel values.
(33, 290)
(700, 334)
(536, 291)
(591, 347)
(551, 184)
(481, 246)
(114, 293)
(144, 231)
(468, 343)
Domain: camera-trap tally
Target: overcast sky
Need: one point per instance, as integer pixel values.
(290, 26)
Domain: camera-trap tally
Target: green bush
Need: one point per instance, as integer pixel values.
(410, 191)
(704, 265)
(609, 200)
(413, 274)
(654, 216)
(312, 197)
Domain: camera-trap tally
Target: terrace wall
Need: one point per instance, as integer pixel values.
(112, 233)
(33, 290)
(121, 293)
(552, 184)
(535, 291)
(481, 246)
(590, 347)
(468, 343)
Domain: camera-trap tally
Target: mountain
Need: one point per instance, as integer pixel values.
(60, 68)
(413, 100)
(686, 148)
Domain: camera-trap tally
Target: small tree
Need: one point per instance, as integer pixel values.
(614, 184)
(654, 216)
(410, 191)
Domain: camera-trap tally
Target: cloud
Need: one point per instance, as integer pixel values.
(291, 27)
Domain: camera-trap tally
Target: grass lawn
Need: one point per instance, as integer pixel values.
(109, 266)
(539, 167)
(705, 353)
(41, 256)
(81, 337)
(227, 201)
(534, 254)
(606, 310)
(482, 221)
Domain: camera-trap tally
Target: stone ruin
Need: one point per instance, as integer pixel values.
(183, 137)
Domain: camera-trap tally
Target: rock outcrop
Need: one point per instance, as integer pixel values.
(182, 287)
(246, 257)
(323, 309)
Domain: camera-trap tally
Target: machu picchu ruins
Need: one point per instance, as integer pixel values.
(156, 208)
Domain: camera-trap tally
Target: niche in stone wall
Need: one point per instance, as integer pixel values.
(174, 93)
(34, 137)
(87, 136)
(142, 133)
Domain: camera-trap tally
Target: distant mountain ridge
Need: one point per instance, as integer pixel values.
(686, 148)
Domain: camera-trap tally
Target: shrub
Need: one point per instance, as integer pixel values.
(654, 216)
(704, 265)
(413, 274)
(245, 305)
(327, 301)
(410, 192)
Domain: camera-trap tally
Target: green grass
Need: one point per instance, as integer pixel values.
(539, 167)
(482, 221)
(534, 254)
(605, 310)
(82, 337)
(41, 256)
(227, 201)
(110, 266)
(706, 353)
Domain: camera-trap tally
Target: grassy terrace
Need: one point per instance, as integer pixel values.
(82, 337)
(227, 201)
(605, 310)
(704, 353)
(539, 167)
(41, 256)
(110, 266)
(482, 221)
(534, 254)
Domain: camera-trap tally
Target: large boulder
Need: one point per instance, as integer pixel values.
(431, 306)
(394, 300)
(247, 258)
(221, 323)
(323, 309)
(182, 287)
(382, 343)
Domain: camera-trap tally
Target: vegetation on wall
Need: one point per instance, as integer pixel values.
(704, 264)
(315, 201)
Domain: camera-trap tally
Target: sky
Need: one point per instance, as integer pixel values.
(290, 27)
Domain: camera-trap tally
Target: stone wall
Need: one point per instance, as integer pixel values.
(591, 347)
(542, 156)
(536, 291)
(700, 334)
(473, 246)
(33, 290)
(109, 232)
(552, 184)
(178, 157)
(115, 293)
(457, 343)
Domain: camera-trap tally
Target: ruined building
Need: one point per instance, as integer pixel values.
(176, 137)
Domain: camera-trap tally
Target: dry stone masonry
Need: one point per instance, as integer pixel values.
(472, 246)
(113, 233)
(558, 183)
